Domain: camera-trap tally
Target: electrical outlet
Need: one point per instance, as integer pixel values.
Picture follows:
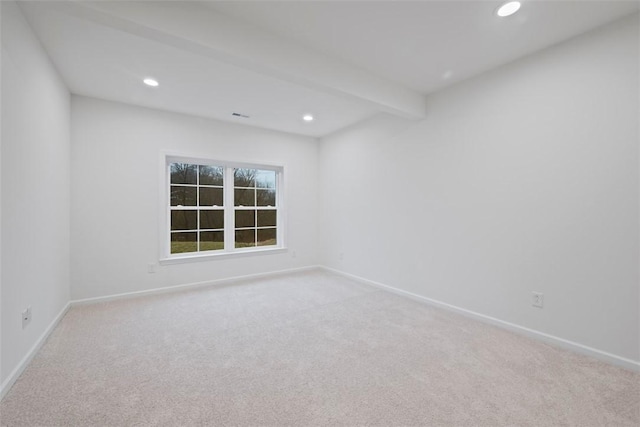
(293, 254)
(151, 267)
(341, 256)
(26, 317)
(537, 299)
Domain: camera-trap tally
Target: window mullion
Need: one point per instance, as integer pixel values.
(279, 210)
(198, 206)
(167, 186)
(229, 213)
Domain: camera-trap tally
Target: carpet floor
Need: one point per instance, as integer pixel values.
(306, 349)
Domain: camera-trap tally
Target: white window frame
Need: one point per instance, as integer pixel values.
(166, 257)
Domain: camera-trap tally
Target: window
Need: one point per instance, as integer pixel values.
(216, 208)
(256, 214)
(197, 207)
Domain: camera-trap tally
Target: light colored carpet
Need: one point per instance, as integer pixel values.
(306, 349)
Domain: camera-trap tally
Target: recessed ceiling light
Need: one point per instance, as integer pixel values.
(150, 82)
(307, 117)
(508, 9)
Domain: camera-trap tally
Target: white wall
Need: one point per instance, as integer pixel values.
(522, 179)
(115, 194)
(35, 189)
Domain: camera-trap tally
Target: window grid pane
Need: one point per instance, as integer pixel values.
(183, 242)
(211, 175)
(266, 237)
(245, 238)
(182, 195)
(211, 240)
(183, 173)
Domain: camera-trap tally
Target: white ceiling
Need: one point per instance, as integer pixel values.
(342, 61)
(416, 42)
(101, 61)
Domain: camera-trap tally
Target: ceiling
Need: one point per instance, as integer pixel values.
(416, 42)
(342, 61)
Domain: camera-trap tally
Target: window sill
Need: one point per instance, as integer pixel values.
(220, 255)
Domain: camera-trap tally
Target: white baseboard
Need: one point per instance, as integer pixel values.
(15, 374)
(194, 285)
(541, 336)
(560, 342)
(8, 383)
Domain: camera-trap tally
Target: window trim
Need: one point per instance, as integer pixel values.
(165, 256)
